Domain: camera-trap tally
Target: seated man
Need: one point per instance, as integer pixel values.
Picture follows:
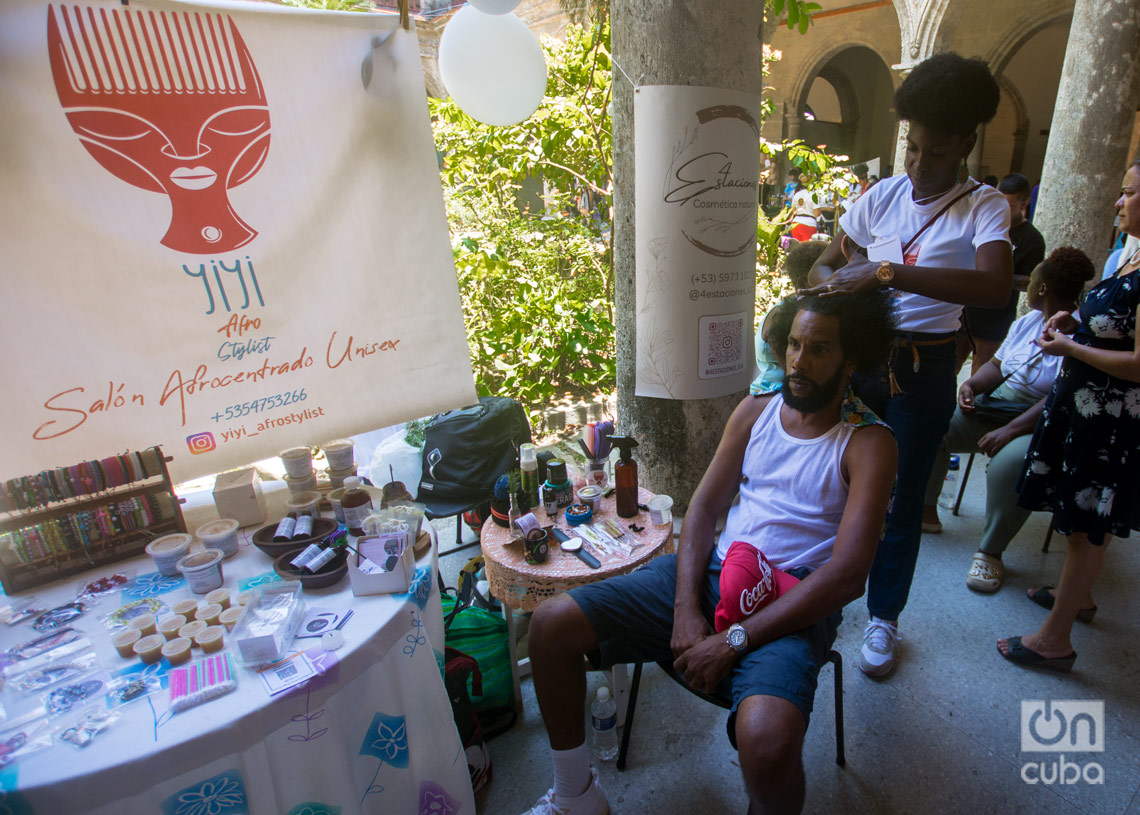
(814, 469)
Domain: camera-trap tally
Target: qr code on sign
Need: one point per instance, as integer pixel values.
(723, 350)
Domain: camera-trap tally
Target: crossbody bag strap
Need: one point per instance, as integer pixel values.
(1000, 382)
(939, 214)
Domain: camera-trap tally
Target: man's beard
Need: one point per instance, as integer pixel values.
(818, 397)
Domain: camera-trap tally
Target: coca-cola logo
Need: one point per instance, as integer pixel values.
(751, 599)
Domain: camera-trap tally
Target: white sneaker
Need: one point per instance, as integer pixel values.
(591, 802)
(880, 649)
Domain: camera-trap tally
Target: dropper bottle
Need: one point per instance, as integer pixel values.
(625, 476)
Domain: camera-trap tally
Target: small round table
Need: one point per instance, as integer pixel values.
(520, 586)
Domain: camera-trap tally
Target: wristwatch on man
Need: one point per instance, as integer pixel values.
(737, 638)
(885, 273)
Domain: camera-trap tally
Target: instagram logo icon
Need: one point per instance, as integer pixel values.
(201, 443)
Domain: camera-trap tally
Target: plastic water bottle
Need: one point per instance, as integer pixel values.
(949, 492)
(603, 720)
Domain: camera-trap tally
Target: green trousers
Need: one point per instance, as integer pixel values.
(1004, 518)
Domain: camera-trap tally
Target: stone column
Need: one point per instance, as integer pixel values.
(1087, 152)
(663, 42)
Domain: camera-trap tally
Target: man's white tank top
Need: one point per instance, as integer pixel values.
(792, 493)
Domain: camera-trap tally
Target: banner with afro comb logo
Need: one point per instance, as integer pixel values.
(222, 231)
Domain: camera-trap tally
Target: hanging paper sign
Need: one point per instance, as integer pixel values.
(222, 230)
(697, 166)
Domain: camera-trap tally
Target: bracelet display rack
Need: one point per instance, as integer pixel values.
(72, 519)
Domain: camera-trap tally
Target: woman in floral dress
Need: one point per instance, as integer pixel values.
(1084, 460)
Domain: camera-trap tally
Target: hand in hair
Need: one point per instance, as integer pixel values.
(857, 276)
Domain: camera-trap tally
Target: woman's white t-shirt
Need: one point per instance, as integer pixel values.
(804, 204)
(886, 211)
(1034, 380)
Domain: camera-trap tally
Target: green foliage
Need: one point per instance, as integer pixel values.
(536, 279)
(539, 317)
(799, 12)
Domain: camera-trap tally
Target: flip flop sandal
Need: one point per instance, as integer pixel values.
(1043, 598)
(1029, 658)
(986, 573)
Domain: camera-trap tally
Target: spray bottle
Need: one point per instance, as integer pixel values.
(625, 476)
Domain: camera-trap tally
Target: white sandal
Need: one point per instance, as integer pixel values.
(986, 573)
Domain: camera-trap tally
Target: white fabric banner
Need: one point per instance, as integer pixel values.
(698, 165)
(222, 231)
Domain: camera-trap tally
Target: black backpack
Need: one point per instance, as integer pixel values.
(466, 450)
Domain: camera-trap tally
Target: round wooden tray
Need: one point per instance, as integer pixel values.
(263, 538)
(333, 572)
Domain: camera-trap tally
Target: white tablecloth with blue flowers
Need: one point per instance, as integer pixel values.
(373, 733)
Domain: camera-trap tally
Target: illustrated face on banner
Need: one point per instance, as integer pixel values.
(170, 103)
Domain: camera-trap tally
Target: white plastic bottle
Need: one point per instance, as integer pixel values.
(949, 492)
(603, 726)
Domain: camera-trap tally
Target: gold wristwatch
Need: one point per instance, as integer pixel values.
(885, 273)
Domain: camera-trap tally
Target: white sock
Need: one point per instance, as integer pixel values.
(571, 771)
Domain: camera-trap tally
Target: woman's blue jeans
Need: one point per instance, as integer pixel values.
(919, 417)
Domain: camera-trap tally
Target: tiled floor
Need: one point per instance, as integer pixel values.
(943, 735)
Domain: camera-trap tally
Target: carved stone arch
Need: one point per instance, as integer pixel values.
(1019, 106)
(844, 92)
(1047, 13)
(817, 62)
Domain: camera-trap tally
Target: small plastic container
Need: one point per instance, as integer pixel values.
(660, 510)
(192, 630)
(177, 651)
(219, 596)
(299, 485)
(149, 649)
(247, 597)
(336, 477)
(334, 499)
(202, 570)
(339, 454)
(298, 461)
(221, 534)
(229, 617)
(578, 514)
(124, 642)
(591, 496)
(304, 502)
(211, 640)
(209, 613)
(144, 624)
(169, 626)
(167, 551)
(187, 608)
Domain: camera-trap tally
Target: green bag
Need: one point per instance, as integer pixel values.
(482, 635)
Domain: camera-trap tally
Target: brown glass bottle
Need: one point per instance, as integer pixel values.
(357, 505)
(625, 476)
(284, 531)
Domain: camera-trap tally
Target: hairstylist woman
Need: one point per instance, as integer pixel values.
(940, 240)
(1023, 377)
(1084, 459)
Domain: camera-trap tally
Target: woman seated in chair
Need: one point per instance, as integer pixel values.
(1023, 377)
